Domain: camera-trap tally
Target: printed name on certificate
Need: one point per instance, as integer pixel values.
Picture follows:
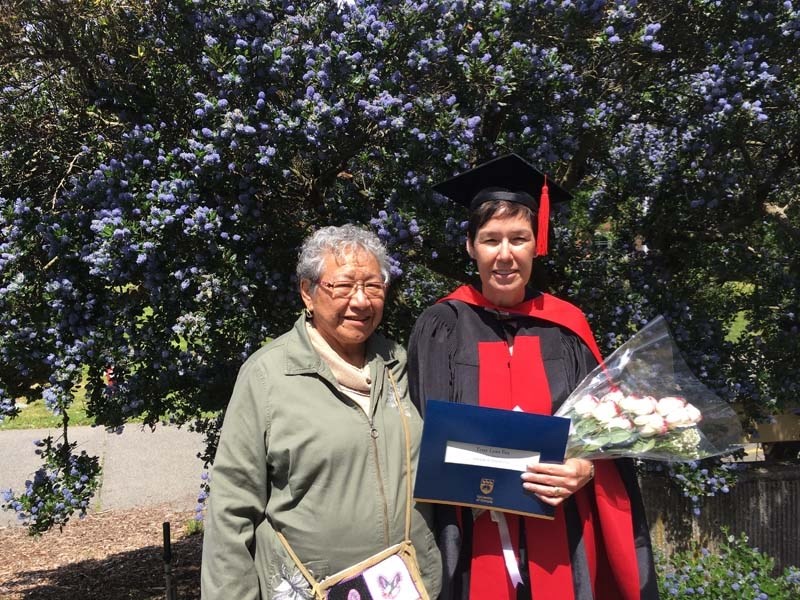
(479, 455)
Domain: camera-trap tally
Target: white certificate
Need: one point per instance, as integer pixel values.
(479, 455)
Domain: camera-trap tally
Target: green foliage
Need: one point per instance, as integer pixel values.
(704, 479)
(61, 488)
(733, 570)
(194, 527)
(161, 161)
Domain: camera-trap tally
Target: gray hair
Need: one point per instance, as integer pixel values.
(338, 241)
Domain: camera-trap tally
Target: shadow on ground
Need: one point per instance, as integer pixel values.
(132, 575)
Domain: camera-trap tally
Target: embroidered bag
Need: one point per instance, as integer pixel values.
(392, 574)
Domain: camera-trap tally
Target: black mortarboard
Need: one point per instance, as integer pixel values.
(507, 178)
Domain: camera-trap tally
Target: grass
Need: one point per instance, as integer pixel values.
(740, 323)
(738, 327)
(193, 527)
(37, 416)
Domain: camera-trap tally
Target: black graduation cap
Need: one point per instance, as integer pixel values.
(509, 178)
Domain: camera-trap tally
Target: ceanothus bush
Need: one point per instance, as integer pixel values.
(160, 164)
(63, 486)
(733, 569)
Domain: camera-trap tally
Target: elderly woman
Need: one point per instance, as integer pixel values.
(504, 344)
(311, 473)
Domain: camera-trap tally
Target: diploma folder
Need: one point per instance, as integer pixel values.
(473, 456)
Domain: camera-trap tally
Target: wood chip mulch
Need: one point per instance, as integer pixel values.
(106, 556)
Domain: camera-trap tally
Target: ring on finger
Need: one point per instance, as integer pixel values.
(556, 492)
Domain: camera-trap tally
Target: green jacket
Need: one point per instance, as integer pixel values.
(298, 456)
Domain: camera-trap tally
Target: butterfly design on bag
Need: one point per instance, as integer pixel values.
(390, 589)
(292, 586)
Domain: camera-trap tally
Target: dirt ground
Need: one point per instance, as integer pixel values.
(112, 555)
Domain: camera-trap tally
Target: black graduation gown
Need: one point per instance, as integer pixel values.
(443, 365)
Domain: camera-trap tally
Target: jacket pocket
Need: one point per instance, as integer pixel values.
(319, 569)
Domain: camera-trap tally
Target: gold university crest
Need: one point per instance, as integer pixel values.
(487, 485)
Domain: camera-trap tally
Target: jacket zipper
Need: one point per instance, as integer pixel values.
(374, 435)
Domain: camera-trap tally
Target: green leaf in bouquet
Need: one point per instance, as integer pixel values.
(600, 440)
(618, 436)
(578, 450)
(643, 445)
(587, 427)
(574, 450)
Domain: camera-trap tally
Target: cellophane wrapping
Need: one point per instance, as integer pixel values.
(645, 402)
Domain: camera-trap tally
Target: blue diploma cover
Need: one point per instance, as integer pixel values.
(473, 456)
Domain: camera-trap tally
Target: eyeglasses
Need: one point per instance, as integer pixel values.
(347, 289)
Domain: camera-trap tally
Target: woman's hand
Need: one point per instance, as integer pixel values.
(554, 483)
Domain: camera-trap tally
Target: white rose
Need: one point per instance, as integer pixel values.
(669, 404)
(616, 396)
(620, 423)
(585, 405)
(628, 403)
(647, 406)
(638, 405)
(678, 418)
(694, 415)
(650, 425)
(605, 411)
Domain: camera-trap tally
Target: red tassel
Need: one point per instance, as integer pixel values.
(544, 220)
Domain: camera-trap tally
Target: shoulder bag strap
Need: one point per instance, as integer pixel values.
(306, 573)
(407, 435)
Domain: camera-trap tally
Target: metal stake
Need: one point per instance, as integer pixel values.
(169, 584)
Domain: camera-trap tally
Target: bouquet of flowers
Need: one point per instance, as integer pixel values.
(644, 402)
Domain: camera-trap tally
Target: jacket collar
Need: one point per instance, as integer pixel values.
(301, 358)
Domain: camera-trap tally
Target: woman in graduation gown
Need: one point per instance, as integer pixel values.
(503, 344)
